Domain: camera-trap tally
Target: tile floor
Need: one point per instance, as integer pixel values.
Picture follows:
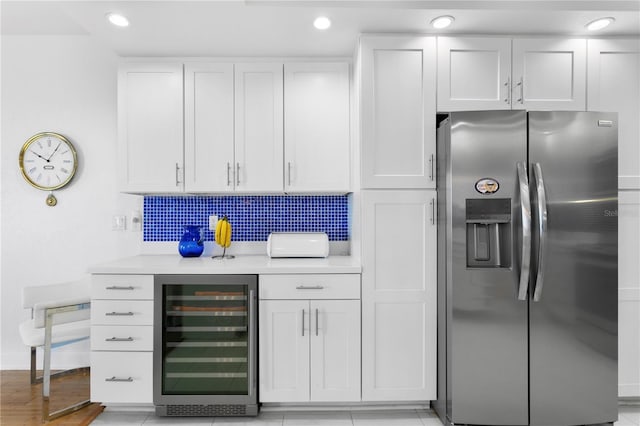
(629, 416)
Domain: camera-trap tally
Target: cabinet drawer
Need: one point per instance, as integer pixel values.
(122, 377)
(122, 312)
(138, 287)
(310, 286)
(122, 338)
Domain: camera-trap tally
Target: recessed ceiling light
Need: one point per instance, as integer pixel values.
(442, 21)
(322, 23)
(118, 20)
(599, 24)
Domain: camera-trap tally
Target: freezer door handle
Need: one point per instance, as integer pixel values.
(525, 212)
(542, 230)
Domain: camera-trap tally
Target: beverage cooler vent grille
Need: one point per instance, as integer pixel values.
(207, 410)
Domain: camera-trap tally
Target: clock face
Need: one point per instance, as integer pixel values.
(48, 161)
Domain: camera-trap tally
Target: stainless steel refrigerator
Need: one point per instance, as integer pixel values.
(527, 268)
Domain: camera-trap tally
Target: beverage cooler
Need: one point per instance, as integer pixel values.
(204, 359)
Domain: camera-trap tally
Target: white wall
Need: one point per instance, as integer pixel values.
(65, 84)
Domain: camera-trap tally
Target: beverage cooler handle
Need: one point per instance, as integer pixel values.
(542, 230)
(525, 211)
(251, 343)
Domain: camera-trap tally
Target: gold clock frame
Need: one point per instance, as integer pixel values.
(26, 146)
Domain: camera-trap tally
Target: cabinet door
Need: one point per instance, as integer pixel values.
(150, 135)
(629, 294)
(284, 350)
(549, 74)
(398, 81)
(398, 295)
(474, 73)
(208, 112)
(316, 122)
(335, 350)
(122, 377)
(259, 127)
(614, 85)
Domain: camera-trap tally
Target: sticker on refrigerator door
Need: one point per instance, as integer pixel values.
(487, 186)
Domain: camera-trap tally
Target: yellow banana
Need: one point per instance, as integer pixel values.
(218, 231)
(227, 241)
(223, 232)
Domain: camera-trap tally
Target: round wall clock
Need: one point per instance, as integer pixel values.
(48, 161)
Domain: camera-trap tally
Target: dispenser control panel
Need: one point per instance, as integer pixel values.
(495, 210)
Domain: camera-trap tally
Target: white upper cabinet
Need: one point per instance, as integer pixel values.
(614, 85)
(317, 130)
(476, 73)
(208, 112)
(398, 80)
(150, 133)
(233, 127)
(258, 127)
(549, 74)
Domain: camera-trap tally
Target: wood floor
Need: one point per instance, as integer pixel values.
(21, 402)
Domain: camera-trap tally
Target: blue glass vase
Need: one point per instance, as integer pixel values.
(191, 244)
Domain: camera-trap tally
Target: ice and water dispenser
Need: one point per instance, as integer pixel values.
(488, 232)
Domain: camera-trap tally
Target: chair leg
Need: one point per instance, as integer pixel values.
(46, 374)
(34, 379)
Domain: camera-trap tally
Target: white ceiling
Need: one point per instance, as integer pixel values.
(284, 28)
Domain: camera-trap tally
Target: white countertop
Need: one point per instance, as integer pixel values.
(242, 264)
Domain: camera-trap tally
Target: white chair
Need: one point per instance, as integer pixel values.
(59, 316)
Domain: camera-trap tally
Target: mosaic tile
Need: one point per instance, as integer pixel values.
(252, 217)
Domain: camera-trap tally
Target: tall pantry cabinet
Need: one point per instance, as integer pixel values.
(614, 85)
(397, 106)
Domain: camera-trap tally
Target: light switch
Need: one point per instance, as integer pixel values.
(118, 223)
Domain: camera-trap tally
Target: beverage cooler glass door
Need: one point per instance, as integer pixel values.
(204, 342)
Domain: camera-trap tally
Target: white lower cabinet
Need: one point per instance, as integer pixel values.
(122, 377)
(628, 294)
(122, 339)
(309, 347)
(399, 307)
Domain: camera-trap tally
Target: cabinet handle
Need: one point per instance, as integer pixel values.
(303, 323)
(237, 174)
(228, 174)
(117, 379)
(116, 287)
(288, 173)
(309, 287)
(177, 174)
(521, 84)
(316, 321)
(508, 86)
(119, 314)
(432, 203)
(251, 381)
(431, 168)
(119, 339)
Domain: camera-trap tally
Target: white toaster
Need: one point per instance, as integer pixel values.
(298, 244)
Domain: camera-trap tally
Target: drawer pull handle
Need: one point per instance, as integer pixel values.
(119, 314)
(119, 339)
(309, 287)
(117, 379)
(118, 287)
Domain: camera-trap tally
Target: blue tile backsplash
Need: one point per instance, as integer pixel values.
(252, 217)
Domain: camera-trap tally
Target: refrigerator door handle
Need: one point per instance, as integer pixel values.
(525, 211)
(542, 230)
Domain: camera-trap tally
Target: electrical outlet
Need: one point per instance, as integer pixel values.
(136, 221)
(213, 220)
